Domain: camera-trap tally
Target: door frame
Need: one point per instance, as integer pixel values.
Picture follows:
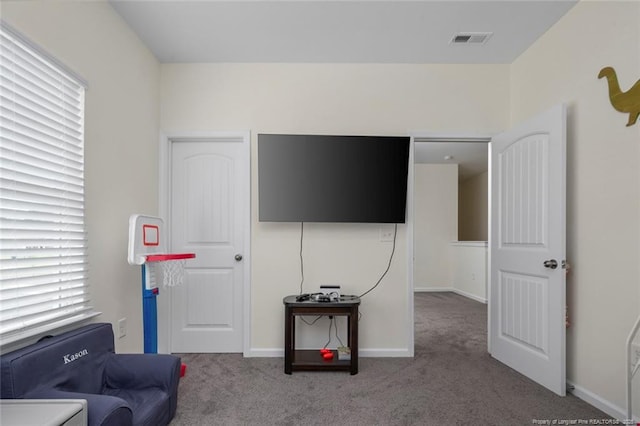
(164, 210)
(440, 137)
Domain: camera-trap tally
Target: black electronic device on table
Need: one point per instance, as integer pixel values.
(315, 297)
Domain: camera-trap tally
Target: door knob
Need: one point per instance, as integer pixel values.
(551, 264)
(238, 257)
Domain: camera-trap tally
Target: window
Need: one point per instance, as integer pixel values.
(43, 244)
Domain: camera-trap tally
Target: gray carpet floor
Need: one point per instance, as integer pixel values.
(452, 380)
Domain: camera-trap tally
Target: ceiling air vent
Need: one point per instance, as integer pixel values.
(470, 38)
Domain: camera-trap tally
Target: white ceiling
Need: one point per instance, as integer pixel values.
(471, 157)
(342, 31)
(346, 31)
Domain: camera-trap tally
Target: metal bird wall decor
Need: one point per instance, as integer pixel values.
(627, 102)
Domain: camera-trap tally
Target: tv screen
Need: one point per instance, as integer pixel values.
(316, 178)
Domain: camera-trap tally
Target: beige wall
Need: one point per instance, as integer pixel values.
(469, 269)
(331, 99)
(603, 182)
(473, 209)
(435, 225)
(121, 137)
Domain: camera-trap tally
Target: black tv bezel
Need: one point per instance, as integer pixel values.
(397, 216)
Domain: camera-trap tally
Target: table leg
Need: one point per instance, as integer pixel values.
(288, 340)
(353, 339)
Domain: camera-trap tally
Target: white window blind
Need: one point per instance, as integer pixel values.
(43, 244)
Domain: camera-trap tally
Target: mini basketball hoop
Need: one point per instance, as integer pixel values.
(147, 248)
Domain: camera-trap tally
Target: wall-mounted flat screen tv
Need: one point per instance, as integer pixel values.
(319, 178)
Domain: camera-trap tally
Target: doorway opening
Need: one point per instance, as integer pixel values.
(450, 219)
(450, 229)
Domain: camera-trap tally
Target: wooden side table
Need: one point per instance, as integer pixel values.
(311, 360)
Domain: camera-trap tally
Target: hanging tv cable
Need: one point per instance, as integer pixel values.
(393, 250)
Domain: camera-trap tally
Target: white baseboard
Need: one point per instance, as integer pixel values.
(384, 353)
(599, 402)
(264, 353)
(451, 289)
(431, 289)
(470, 296)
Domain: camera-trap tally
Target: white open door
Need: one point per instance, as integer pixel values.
(527, 249)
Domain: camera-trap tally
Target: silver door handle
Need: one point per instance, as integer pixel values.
(238, 257)
(551, 264)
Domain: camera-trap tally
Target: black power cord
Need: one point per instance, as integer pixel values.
(343, 297)
(333, 322)
(303, 297)
(312, 322)
(301, 258)
(395, 234)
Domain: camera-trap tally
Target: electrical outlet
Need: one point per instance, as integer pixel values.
(122, 328)
(386, 233)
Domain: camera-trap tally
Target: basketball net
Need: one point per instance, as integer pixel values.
(169, 272)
